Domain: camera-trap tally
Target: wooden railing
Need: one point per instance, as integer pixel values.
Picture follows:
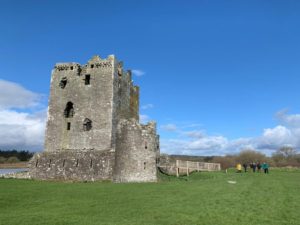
(190, 166)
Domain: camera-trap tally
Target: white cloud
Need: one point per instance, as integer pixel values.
(169, 127)
(20, 130)
(292, 120)
(138, 73)
(194, 134)
(196, 142)
(13, 95)
(147, 106)
(144, 118)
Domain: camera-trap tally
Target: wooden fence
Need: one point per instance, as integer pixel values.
(189, 166)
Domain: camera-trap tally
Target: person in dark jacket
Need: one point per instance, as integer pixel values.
(245, 167)
(258, 165)
(253, 167)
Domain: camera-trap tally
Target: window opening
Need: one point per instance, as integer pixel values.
(50, 163)
(91, 163)
(69, 110)
(146, 145)
(69, 126)
(92, 66)
(63, 82)
(77, 162)
(144, 165)
(64, 162)
(36, 163)
(71, 67)
(87, 79)
(87, 124)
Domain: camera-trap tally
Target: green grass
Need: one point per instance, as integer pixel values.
(202, 198)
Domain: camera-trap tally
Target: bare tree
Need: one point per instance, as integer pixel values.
(249, 155)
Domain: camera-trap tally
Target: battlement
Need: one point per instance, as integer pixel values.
(133, 124)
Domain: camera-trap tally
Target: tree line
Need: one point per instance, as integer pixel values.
(13, 156)
(283, 157)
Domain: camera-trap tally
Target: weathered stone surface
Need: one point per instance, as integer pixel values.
(90, 107)
(73, 165)
(137, 152)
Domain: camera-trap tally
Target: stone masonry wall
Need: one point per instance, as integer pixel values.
(136, 152)
(90, 89)
(72, 165)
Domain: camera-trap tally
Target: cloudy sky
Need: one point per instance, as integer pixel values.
(217, 76)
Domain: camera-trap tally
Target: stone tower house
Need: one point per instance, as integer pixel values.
(93, 130)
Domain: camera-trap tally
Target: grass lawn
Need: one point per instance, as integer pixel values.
(202, 198)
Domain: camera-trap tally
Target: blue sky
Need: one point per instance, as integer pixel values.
(217, 76)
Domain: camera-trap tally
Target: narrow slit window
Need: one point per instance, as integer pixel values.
(91, 163)
(68, 126)
(50, 163)
(64, 162)
(87, 80)
(146, 145)
(36, 163)
(144, 165)
(77, 162)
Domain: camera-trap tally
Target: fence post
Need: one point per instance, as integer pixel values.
(187, 168)
(177, 168)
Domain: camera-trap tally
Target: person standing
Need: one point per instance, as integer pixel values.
(239, 168)
(253, 167)
(245, 167)
(265, 167)
(258, 165)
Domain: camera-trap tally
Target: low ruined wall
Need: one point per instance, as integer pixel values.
(73, 165)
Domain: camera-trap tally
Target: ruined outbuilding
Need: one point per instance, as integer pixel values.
(93, 130)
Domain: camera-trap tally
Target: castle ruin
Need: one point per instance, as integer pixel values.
(93, 130)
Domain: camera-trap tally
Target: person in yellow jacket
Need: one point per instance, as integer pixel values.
(238, 168)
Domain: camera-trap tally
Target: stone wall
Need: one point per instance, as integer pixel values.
(89, 89)
(73, 165)
(136, 152)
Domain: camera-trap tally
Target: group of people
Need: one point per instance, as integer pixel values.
(254, 166)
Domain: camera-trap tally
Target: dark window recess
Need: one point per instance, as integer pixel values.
(69, 110)
(146, 145)
(87, 79)
(71, 67)
(63, 82)
(68, 126)
(91, 163)
(144, 165)
(87, 124)
(36, 163)
(77, 162)
(64, 162)
(50, 163)
(92, 65)
(78, 71)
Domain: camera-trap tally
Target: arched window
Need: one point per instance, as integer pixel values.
(69, 110)
(87, 124)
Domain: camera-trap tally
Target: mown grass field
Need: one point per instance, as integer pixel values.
(202, 198)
